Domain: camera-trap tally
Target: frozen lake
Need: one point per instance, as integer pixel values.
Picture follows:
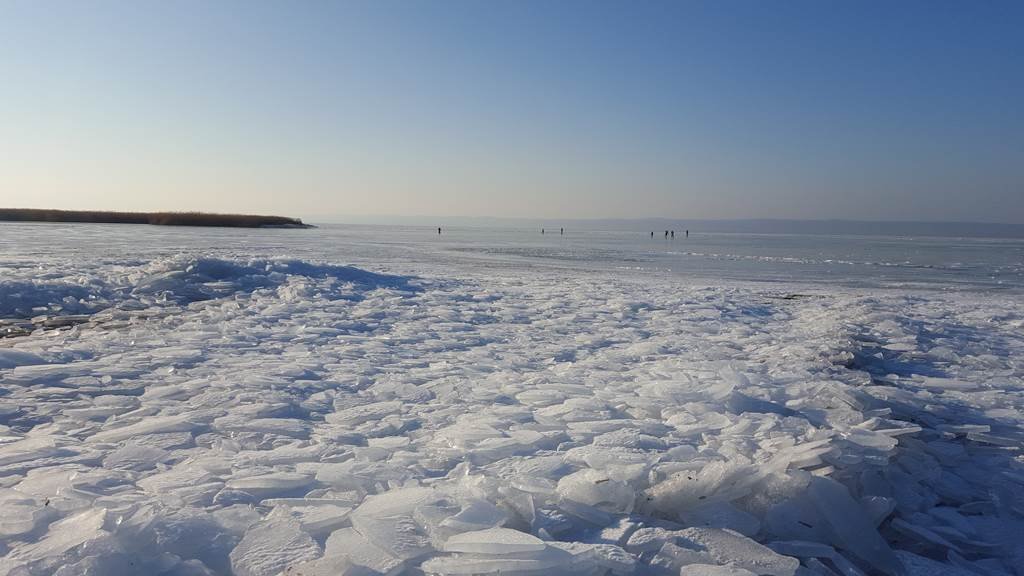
(852, 261)
(387, 400)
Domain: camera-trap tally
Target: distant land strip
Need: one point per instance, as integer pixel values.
(154, 218)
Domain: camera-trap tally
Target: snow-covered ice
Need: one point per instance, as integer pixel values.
(386, 401)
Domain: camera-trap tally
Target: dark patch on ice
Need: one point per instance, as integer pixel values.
(790, 296)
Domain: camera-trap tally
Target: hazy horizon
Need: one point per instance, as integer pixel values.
(587, 110)
(731, 225)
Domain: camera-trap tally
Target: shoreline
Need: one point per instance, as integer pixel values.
(152, 218)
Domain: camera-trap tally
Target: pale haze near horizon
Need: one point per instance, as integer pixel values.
(688, 110)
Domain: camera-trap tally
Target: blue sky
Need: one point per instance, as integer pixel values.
(874, 110)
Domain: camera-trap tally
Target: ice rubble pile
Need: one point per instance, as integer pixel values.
(26, 292)
(325, 423)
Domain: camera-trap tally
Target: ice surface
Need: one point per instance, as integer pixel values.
(238, 402)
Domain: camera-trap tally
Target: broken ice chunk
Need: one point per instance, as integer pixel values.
(923, 534)
(877, 508)
(272, 546)
(494, 541)
(721, 515)
(64, 535)
(31, 448)
(359, 414)
(149, 425)
(13, 358)
(952, 517)
(712, 570)
(995, 440)
(550, 559)
(650, 539)
(947, 452)
(728, 547)
(477, 515)
(272, 483)
(670, 558)
(870, 439)
(318, 518)
(338, 565)
(599, 556)
(361, 474)
(292, 427)
(587, 513)
(349, 543)
(915, 565)
(20, 514)
(738, 403)
(387, 520)
(850, 526)
(617, 533)
(802, 549)
(135, 457)
(947, 384)
(597, 489)
(716, 482)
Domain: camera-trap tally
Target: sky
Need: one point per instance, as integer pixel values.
(556, 109)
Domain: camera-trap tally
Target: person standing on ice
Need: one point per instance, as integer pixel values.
(652, 234)
(687, 233)
(438, 230)
(666, 234)
(561, 231)
(673, 234)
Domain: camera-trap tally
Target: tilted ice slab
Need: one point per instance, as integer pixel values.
(257, 415)
(494, 541)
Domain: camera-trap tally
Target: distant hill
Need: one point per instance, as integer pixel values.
(154, 218)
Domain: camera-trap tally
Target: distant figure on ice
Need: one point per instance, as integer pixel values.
(541, 231)
(438, 230)
(666, 234)
(652, 233)
(687, 233)
(561, 231)
(673, 233)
